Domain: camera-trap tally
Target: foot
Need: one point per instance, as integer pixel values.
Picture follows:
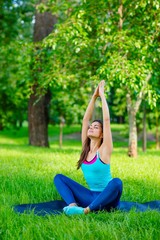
(73, 210)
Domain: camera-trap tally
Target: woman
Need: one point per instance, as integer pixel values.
(104, 191)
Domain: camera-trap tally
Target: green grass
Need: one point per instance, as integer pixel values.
(26, 176)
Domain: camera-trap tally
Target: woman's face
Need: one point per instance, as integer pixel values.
(95, 130)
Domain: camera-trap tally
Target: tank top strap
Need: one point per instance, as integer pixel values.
(97, 154)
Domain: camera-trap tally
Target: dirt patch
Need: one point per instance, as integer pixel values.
(116, 137)
(76, 136)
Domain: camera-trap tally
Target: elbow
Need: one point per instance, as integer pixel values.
(106, 120)
(85, 120)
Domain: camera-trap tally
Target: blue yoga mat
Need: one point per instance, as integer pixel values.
(56, 207)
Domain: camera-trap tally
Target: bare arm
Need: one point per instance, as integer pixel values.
(107, 145)
(88, 115)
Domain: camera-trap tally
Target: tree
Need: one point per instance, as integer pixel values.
(131, 68)
(17, 84)
(38, 116)
(114, 41)
(67, 104)
(15, 31)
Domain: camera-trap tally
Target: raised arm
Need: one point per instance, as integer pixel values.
(107, 145)
(88, 115)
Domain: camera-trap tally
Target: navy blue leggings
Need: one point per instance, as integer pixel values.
(73, 192)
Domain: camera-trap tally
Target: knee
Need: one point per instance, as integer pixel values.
(118, 183)
(57, 178)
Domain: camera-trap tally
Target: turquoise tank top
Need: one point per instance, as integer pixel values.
(96, 173)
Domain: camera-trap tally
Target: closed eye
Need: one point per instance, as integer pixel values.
(94, 126)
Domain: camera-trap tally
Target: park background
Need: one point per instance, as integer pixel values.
(52, 56)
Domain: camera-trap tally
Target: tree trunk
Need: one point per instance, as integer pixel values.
(120, 12)
(62, 121)
(38, 104)
(132, 149)
(132, 108)
(38, 118)
(144, 134)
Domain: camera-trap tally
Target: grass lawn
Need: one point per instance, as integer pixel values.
(26, 176)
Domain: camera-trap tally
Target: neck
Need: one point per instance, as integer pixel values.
(94, 145)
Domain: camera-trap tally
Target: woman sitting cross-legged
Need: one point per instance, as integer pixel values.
(104, 192)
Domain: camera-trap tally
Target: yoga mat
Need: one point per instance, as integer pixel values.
(41, 209)
(56, 207)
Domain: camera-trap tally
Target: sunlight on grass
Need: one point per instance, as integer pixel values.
(26, 176)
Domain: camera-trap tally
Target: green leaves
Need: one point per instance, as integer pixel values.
(105, 40)
(86, 45)
(95, 48)
(15, 31)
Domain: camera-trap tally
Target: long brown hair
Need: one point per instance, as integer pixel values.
(86, 147)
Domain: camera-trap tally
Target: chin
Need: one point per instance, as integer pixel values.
(91, 136)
